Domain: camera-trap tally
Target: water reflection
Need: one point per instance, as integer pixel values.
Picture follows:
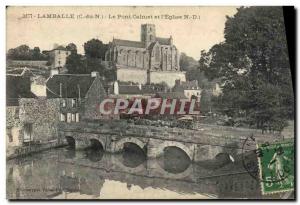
(133, 155)
(65, 173)
(70, 153)
(94, 155)
(175, 160)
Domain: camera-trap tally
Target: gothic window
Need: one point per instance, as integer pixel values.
(124, 57)
(157, 53)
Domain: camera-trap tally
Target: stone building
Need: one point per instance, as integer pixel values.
(151, 60)
(129, 90)
(58, 57)
(79, 95)
(32, 121)
(190, 89)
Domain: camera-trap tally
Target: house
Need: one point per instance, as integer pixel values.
(58, 57)
(79, 95)
(190, 89)
(130, 90)
(29, 119)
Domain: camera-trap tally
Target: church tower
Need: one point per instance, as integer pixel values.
(148, 33)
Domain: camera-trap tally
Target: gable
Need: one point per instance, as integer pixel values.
(71, 86)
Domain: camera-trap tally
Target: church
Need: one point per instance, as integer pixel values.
(151, 60)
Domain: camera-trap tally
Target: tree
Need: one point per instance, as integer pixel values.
(23, 52)
(72, 47)
(252, 64)
(75, 64)
(187, 63)
(95, 49)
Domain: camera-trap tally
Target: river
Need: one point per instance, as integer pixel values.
(65, 173)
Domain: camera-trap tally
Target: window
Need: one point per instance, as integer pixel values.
(63, 102)
(74, 102)
(62, 117)
(58, 62)
(69, 117)
(10, 138)
(17, 113)
(27, 132)
(77, 117)
(73, 117)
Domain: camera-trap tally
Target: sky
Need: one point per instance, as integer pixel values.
(203, 28)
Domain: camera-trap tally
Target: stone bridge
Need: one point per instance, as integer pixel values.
(198, 145)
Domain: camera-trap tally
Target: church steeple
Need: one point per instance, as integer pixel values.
(148, 34)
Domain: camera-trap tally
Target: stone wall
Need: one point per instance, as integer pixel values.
(43, 114)
(13, 127)
(27, 63)
(133, 75)
(167, 77)
(95, 95)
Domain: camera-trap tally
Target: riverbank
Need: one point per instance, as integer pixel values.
(32, 148)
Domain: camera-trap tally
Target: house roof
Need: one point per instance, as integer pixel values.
(70, 84)
(188, 85)
(17, 87)
(61, 48)
(151, 46)
(171, 95)
(129, 90)
(135, 44)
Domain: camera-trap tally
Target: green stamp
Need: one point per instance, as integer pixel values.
(276, 166)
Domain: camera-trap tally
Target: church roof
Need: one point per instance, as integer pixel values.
(135, 44)
(163, 41)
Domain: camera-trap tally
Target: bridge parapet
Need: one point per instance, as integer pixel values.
(198, 144)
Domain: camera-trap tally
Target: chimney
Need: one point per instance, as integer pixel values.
(116, 88)
(54, 72)
(95, 74)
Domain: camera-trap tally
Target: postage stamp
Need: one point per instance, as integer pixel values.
(276, 167)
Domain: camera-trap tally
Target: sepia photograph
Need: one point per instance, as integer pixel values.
(150, 103)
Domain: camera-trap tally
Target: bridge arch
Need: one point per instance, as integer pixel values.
(120, 143)
(96, 143)
(189, 151)
(70, 141)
